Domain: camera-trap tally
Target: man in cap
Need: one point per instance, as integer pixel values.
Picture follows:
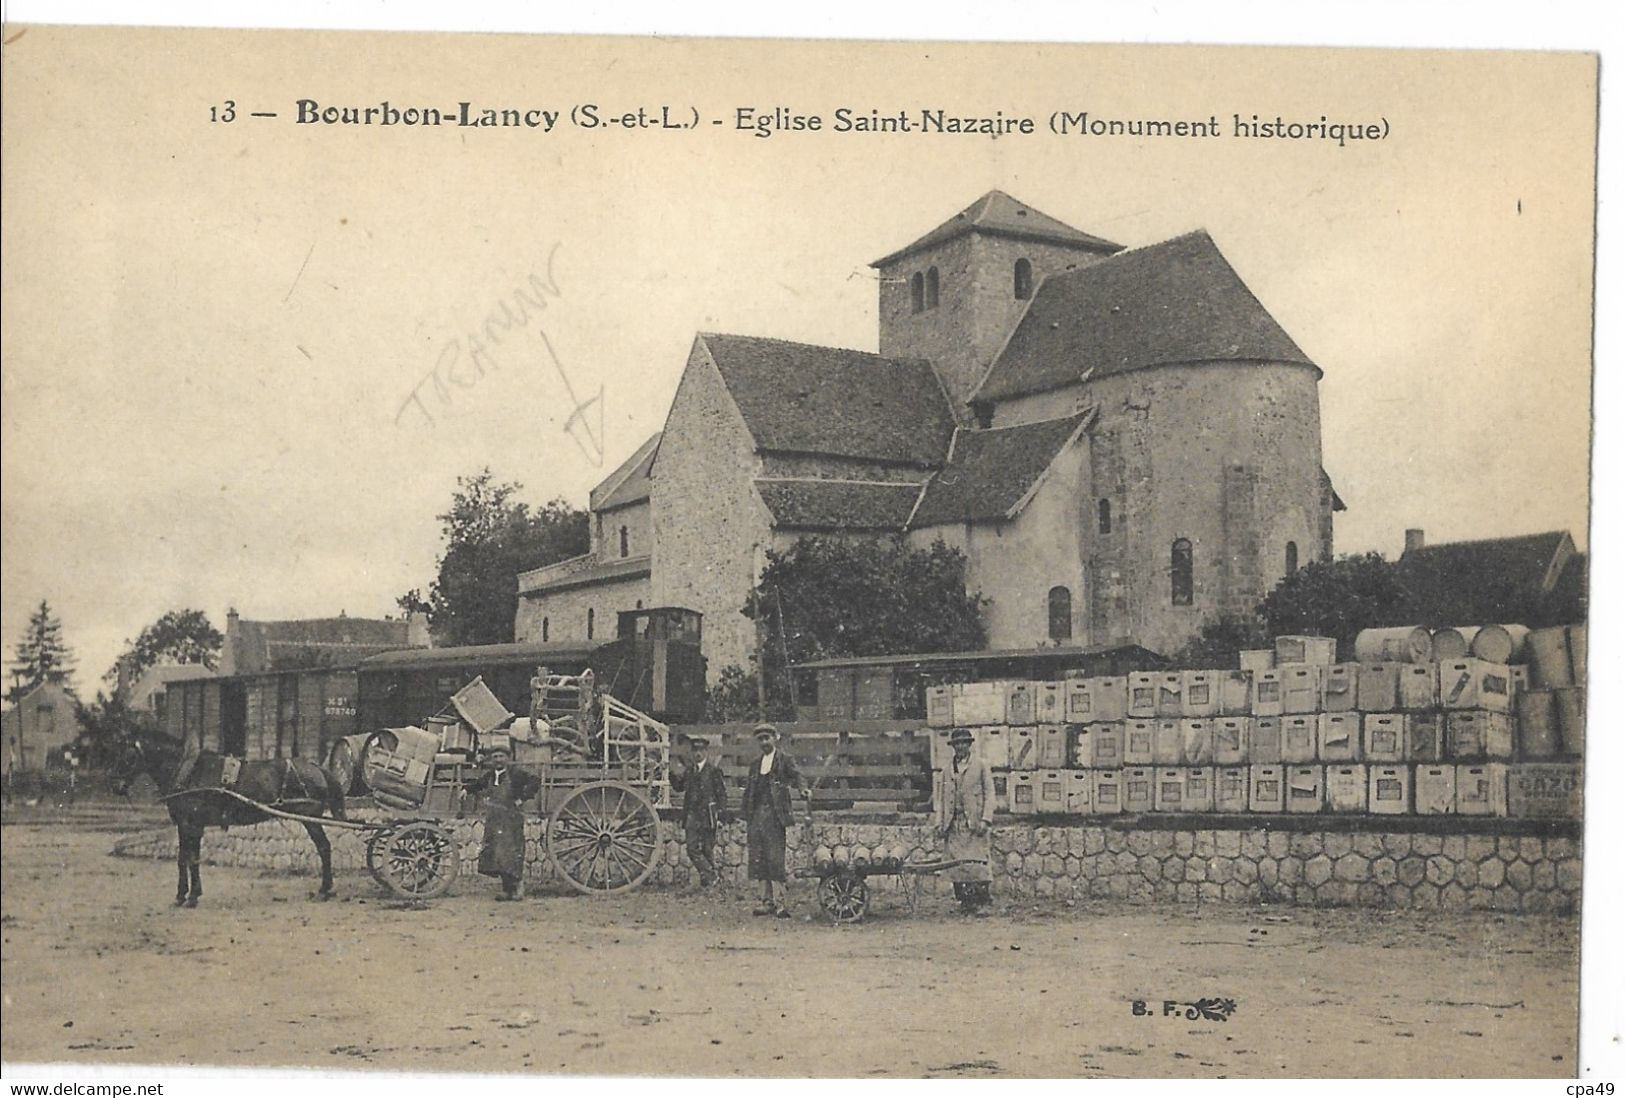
(964, 817)
(504, 789)
(705, 804)
(767, 816)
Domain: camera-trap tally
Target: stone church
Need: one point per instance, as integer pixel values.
(1123, 442)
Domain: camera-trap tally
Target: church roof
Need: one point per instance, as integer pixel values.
(806, 399)
(993, 472)
(1177, 301)
(997, 214)
(837, 504)
(630, 482)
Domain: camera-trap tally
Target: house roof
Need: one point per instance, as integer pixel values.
(1177, 301)
(997, 214)
(1530, 562)
(992, 472)
(629, 483)
(837, 504)
(831, 401)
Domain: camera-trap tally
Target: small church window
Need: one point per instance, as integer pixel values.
(1291, 557)
(1103, 512)
(625, 545)
(932, 285)
(589, 623)
(916, 287)
(1024, 280)
(1182, 582)
(544, 628)
(1060, 613)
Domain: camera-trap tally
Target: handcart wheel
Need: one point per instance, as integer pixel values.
(843, 896)
(604, 838)
(415, 861)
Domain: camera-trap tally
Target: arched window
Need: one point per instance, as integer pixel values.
(1060, 614)
(1291, 557)
(916, 287)
(544, 628)
(932, 285)
(1103, 511)
(589, 623)
(625, 545)
(639, 605)
(1182, 584)
(1024, 280)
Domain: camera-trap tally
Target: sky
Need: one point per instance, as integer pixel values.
(222, 338)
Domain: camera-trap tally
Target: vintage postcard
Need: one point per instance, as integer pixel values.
(588, 556)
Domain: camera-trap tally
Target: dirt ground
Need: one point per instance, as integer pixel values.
(96, 967)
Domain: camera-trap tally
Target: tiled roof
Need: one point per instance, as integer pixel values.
(629, 483)
(992, 471)
(1178, 301)
(837, 504)
(801, 398)
(1494, 580)
(997, 214)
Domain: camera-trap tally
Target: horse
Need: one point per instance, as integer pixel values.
(298, 786)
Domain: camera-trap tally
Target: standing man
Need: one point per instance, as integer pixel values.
(705, 804)
(964, 817)
(502, 852)
(767, 816)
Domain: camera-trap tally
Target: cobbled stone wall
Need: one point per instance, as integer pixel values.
(1508, 873)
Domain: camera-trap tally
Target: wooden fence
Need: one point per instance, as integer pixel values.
(869, 764)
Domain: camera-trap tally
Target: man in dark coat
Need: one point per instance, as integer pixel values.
(504, 789)
(767, 816)
(705, 805)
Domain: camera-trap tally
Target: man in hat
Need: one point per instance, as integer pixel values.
(504, 789)
(705, 804)
(964, 817)
(767, 816)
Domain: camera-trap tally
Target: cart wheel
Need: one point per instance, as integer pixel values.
(843, 896)
(604, 838)
(415, 861)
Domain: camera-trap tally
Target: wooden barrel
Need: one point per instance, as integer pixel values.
(1400, 644)
(1571, 718)
(1549, 657)
(1577, 653)
(1500, 643)
(1453, 644)
(1538, 734)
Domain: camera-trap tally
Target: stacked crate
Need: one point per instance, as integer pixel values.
(1290, 731)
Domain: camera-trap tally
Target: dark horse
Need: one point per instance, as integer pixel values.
(298, 786)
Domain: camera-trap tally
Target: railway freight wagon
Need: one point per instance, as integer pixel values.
(287, 714)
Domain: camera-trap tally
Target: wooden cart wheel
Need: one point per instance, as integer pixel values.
(843, 896)
(375, 855)
(604, 838)
(415, 861)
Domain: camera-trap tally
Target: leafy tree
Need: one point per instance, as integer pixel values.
(41, 655)
(490, 537)
(180, 636)
(104, 722)
(829, 597)
(1339, 598)
(1220, 643)
(733, 696)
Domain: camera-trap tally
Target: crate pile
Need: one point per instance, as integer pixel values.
(1289, 731)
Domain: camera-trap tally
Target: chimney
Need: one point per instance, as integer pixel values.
(228, 650)
(1414, 540)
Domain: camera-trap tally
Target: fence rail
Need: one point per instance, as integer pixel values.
(845, 762)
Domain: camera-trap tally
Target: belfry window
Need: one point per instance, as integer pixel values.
(916, 288)
(589, 623)
(1024, 280)
(1291, 557)
(932, 285)
(1181, 581)
(1060, 614)
(1103, 513)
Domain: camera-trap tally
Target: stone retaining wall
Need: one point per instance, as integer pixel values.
(1308, 867)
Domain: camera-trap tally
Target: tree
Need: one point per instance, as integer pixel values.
(830, 597)
(490, 537)
(180, 636)
(42, 655)
(1339, 598)
(1220, 643)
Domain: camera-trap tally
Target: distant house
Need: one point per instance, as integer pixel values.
(146, 694)
(40, 725)
(1533, 579)
(256, 647)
